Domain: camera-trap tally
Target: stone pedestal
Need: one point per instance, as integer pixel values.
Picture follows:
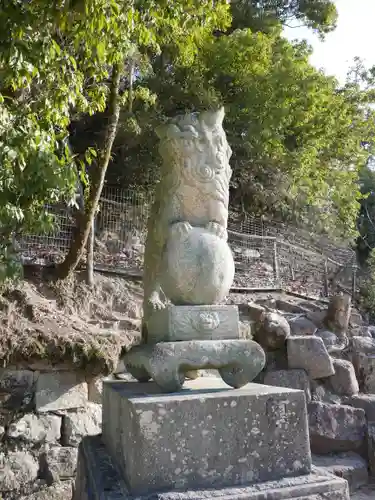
(207, 441)
(212, 322)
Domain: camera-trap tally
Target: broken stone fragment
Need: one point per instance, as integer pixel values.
(335, 428)
(344, 381)
(310, 354)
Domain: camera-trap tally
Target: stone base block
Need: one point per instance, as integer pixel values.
(204, 436)
(213, 322)
(98, 479)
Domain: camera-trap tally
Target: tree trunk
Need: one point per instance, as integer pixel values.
(90, 256)
(79, 241)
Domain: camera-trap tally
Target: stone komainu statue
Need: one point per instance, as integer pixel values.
(183, 263)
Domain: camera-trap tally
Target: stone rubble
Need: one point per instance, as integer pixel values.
(43, 417)
(46, 411)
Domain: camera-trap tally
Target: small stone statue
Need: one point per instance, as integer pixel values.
(189, 267)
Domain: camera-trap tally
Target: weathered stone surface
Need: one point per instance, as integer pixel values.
(272, 331)
(322, 392)
(364, 401)
(10, 379)
(97, 477)
(238, 361)
(244, 328)
(309, 354)
(193, 323)
(86, 422)
(60, 391)
(95, 389)
(294, 379)
(276, 360)
(16, 470)
(290, 307)
(16, 387)
(338, 314)
(363, 345)
(36, 428)
(58, 491)
(302, 326)
(58, 463)
(371, 447)
(329, 338)
(198, 265)
(268, 425)
(251, 310)
(344, 381)
(349, 466)
(335, 428)
(190, 260)
(365, 366)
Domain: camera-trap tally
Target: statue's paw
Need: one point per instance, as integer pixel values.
(181, 229)
(220, 231)
(156, 302)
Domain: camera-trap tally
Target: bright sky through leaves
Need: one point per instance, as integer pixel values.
(354, 36)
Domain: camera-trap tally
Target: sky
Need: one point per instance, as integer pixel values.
(354, 36)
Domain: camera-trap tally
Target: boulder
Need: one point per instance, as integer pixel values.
(349, 466)
(302, 326)
(271, 331)
(310, 354)
(336, 428)
(295, 379)
(344, 381)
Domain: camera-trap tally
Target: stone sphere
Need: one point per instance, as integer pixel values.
(198, 268)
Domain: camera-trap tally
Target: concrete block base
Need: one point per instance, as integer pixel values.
(98, 479)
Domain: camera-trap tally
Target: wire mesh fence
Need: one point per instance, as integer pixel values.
(267, 254)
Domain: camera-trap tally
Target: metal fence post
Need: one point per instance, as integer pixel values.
(276, 271)
(325, 283)
(354, 282)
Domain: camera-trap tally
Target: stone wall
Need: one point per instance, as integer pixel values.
(44, 413)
